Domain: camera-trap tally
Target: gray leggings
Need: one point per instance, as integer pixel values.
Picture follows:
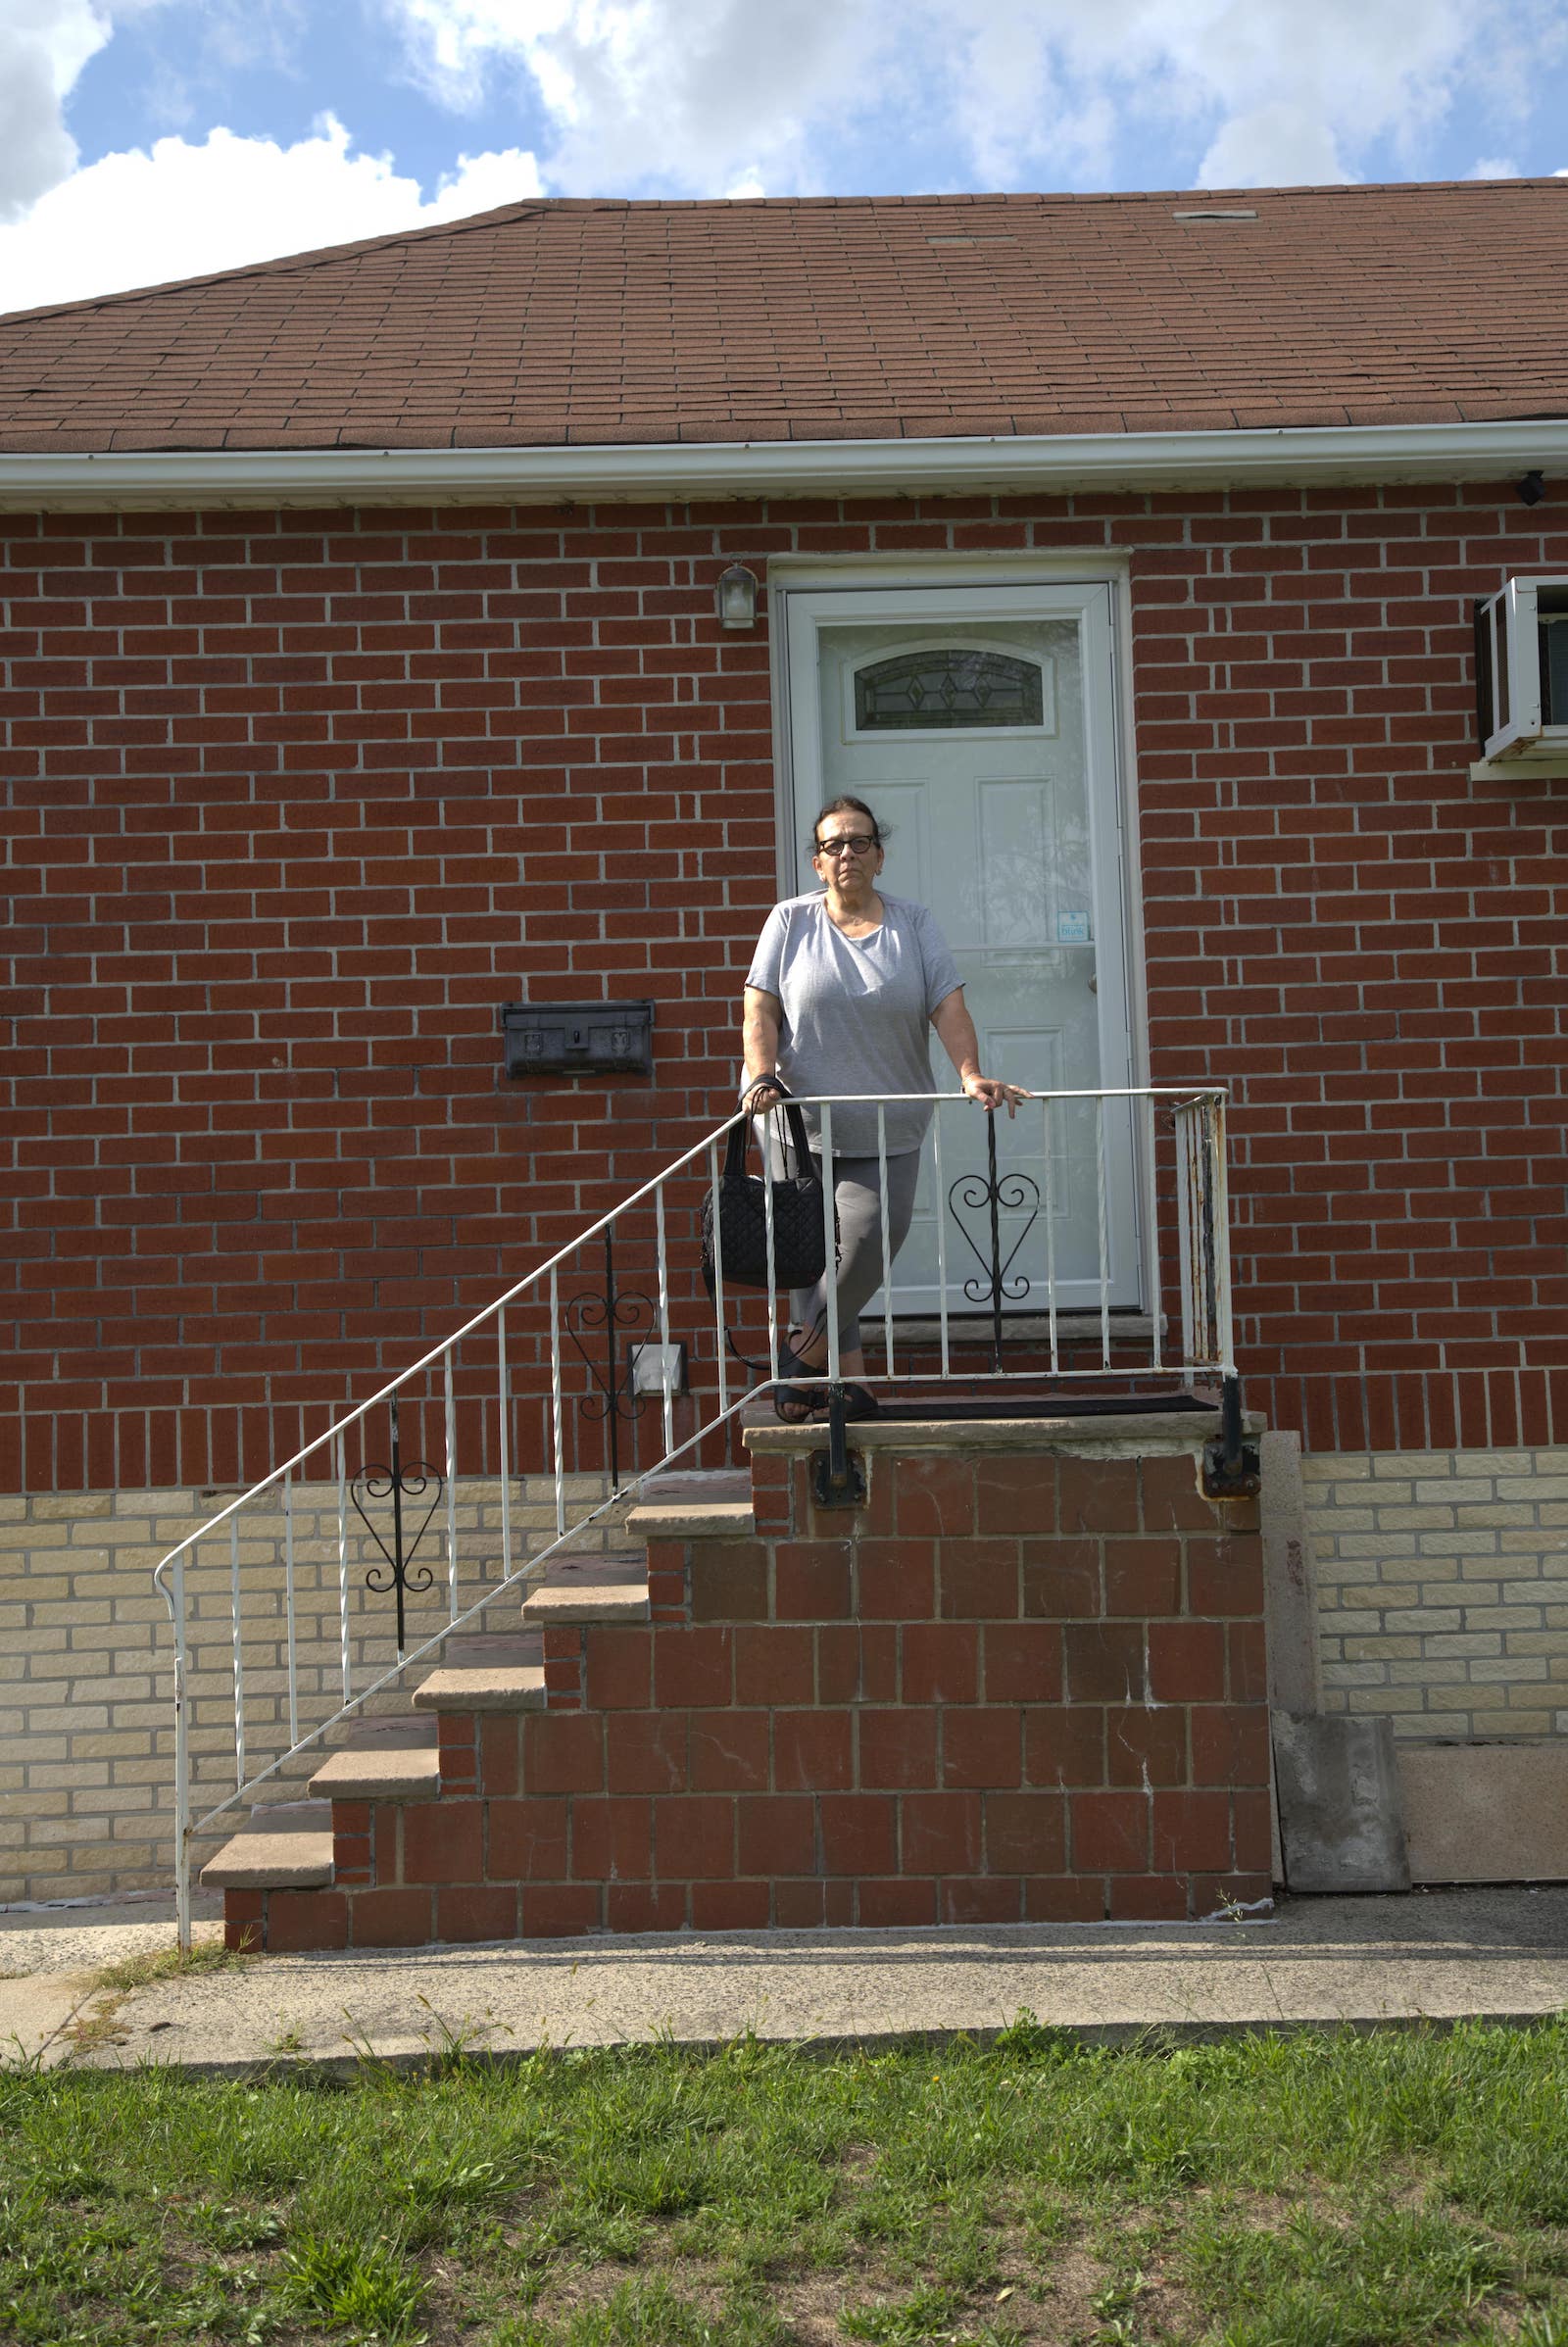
(855, 1196)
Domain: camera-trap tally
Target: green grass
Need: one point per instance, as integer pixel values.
(1288, 2190)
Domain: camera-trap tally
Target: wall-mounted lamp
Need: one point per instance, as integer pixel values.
(736, 596)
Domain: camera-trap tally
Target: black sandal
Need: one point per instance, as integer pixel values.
(858, 1402)
(807, 1399)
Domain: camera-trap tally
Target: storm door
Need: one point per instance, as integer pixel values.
(977, 723)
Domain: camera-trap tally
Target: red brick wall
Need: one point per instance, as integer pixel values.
(296, 801)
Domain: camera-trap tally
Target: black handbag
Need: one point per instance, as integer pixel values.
(799, 1238)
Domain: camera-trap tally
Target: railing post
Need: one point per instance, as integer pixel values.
(397, 1518)
(994, 1196)
(718, 1278)
(1049, 1193)
(1101, 1231)
(1232, 1466)
(668, 1398)
(941, 1233)
(830, 1285)
(176, 1604)
(838, 1484)
(612, 1413)
(1151, 1264)
(340, 1460)
(1225, 1335)
(239, 1628)
(290, 1610)
(770, 1242)
(887, 1259)
(503, 1461)
(450, 1401)
(557, 1423)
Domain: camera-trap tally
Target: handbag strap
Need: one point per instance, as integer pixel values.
(740, 1134)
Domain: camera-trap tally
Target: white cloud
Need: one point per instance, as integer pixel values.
(1494, 166)
(1269, 92)
(43, 46)
(1283, 144)
(698, 94)
(693, 94)
(181, 210)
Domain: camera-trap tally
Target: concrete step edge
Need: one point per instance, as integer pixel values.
(287, 1847)
(692, 1520)
(590, 1588)
(499, 1688)
(617, 1601)
(406, 1772)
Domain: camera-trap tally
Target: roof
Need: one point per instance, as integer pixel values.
(588, 323)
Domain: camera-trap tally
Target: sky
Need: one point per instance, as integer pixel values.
(143, 140)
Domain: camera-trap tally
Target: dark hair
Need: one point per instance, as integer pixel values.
(847, 806)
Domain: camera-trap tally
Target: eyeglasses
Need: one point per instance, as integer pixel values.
(854, 844)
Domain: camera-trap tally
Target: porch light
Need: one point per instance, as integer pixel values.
(736, 596)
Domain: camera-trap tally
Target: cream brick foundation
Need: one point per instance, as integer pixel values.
(1443, 1588)
(86, 1721)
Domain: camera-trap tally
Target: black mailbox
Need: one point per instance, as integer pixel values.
(578, 1038)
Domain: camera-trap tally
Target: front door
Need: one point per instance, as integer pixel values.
(977, 723)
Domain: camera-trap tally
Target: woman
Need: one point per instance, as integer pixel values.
(839, 997)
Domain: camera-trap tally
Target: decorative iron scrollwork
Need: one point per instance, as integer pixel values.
(1010, 1192)
(617, 1313)
(398, 1482)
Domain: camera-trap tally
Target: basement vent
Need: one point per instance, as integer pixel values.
(1197, 219)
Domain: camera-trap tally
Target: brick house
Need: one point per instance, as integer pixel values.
(363, 674)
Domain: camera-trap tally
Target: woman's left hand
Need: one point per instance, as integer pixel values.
(993, 1094)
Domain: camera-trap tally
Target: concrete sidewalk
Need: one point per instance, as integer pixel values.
(1440, 1955)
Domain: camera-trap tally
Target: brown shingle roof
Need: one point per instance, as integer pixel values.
(585, 322)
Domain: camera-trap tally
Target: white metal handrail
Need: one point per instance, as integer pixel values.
(1189, 1186)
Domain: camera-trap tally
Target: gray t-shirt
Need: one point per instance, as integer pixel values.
(856, 1011)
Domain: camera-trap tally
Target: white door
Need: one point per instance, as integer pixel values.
(976, 722)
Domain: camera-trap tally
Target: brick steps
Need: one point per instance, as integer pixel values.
(1024, 1681)
(290, 1845)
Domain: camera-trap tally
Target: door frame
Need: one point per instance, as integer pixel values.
(914, 590)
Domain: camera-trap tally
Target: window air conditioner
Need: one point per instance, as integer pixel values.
(1522, 670)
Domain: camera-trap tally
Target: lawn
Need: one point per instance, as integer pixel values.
(1309, 2190)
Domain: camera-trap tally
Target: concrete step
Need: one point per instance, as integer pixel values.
(677, 1486)
(589, 1589)
(694, 1519)
(393, 1760)
(285, 1846)
(714, 1503)
(486, 1672)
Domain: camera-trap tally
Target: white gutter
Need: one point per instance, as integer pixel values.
(1106, 461)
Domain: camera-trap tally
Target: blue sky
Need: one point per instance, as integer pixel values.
(145, 139)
